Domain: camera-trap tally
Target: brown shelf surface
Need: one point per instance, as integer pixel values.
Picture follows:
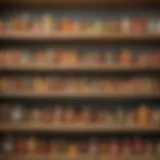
(78, 67)
(81, 3)
(83, 157)
(13, 36)
(53, 127)
(63, 94)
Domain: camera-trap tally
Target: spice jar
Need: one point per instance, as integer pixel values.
(69, 115)
(17, 113)
(43, 147)
(114, 147)
(8, 145)
(73, 151)
(126, 147)
(46, 115)
(86, 115)
(67, 25)
(58, 114)
(32, 145)
(143, 115)
(125, 25)
(47, 23)
(148, 147)
(20, 146)
(138, 146)
(93, 147)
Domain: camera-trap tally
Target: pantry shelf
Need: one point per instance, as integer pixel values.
(78, 127)
(13, 36)
(63, 94)
(81, 3)
(83, 157)
(79, 67)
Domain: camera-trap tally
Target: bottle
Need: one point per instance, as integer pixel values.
(58, 114)
(47, 23)
(73, 151)
(155, 117)
(35, 114)
(148, 147)
(125, 25)
(69, 115)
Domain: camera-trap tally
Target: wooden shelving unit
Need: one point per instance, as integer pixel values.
(78, 37)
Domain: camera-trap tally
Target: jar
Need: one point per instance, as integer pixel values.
(73, 151)
(46, 116)
(130, 118)
(58, 114)
(120, 115)
(17, 113)
(2, 26)
(155, 116)
(93, 147)
(126, 147)
(148, 147)
(47, 23)
(151, 26)
(126, 57)
(69, 115)
(86, 114)
(43, 147)
(138, 146)
(32, 145)
(20, 146)
(8, 145)
(143, 115)
(67, 25)
(5, 113)
(125, 25)
(114, 147)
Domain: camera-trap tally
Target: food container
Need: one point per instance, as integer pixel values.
(20, 146)
(69, 115)
(17, 113)
(32, 145)
(125, 25)
(143, 116)
(8, 145)
(138, 146)
(126, 148)
(47, 23)
(114, 147)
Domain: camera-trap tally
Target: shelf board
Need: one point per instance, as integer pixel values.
(78, 67)
(80, 3)
(63, 94)
(78, 127)
(13, 36)
(83, 157)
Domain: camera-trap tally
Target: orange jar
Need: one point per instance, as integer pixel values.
(143, 115)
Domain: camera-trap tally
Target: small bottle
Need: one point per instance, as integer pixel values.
(120, 115)
(130, 118)
(46, 116)
(155, 117)
(35, 115)
(86, 115)
(47, 23)
(114, 147)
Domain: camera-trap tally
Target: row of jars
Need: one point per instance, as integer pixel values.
(47, 23)
(69, 57)
(142, 115)
(92, 146)
(79, 84)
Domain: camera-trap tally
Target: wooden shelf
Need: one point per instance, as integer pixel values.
(80, 3)
(82, 157)
(78, 67)
(39, 127)
(63, 94)
(64, 37)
